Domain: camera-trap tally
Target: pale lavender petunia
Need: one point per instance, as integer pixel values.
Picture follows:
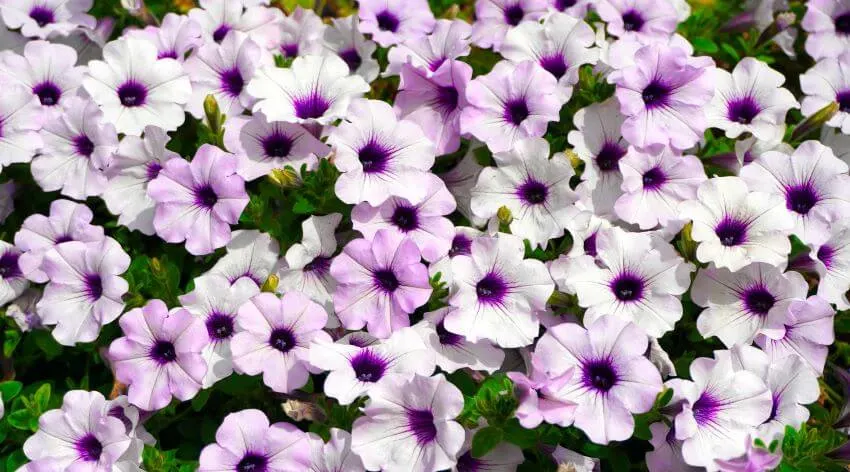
(217, 18)
(543, 398)
(575, 8)
(666, 455)
(832, 263)
(335, 455)
(494, 18)
(455, 352)
(302, 33)
(827, 23)
(805, 329)
(462, 177)
(395, 21)
(828, 82)
(175, 37)
(344, 39)
(641, 20)
(88, 42)
(755, 458)
(44, 18)
(12, 280)
(250, 254)
(449, 40)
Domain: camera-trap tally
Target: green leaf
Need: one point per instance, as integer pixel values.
(706, 45)
(201, 399)
(21, 419)
(485, 440)
(10, 389)
(42, 397)
(303, 207)
(15, 460)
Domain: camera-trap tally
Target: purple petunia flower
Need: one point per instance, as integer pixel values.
(827, 23)
(85, 288)
(380, 282)
(460, 180)
(250, 254)
(197, 202)
(273, 337)
(503, 457)
(379, 155)
(302, 33)
(449, 40)
(662, 96)
(88, 42)
(12, 280)
(754, 458)
(43, 18)
(217, 18)
(494, 18)
(509, 103)
(135, 89)
(420, 413)
(335, 455)
(667, 450)
(641, 20)
(453, 351)
(461, 244)
(395, 21)
(159, 356)
(175, 37)
(825, 83)
(306, 267)
(574, 8)
(832, 261)
(544, 399)
(356, 371)
(584, 229)
(68, 221)
(246, 442)
(344, 39)
(611, 378)
(805, 329)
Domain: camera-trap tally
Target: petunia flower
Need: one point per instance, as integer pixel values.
(419, 413)
(334, 455)
(88, 43)
(159, 356)
(828, 82)
(585, 229)
(395, 21)
(449, 40)
(307, 264)
(250, 254)
(633, 276)
(453, 351)
(494, 18)
(832, 263)
(543, 398)
(754, 458)
(827, 23)
(461, 245)
(574, 8)
(380, 282)
(197, 202)
(273, 337)
(611, 379)
(503, 457)
(344, 39)
(44, 18)
(805, 330)
(461, 178)
(666, 455)
(12, 280)
(217, 18)
(175, 37)
(85, 288)
(641, 20)
(135, 89)
(302, 33)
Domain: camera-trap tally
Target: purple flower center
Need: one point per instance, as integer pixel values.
(170, 54)
(385, 280)
(118, 413)
(220, 33)
(589, 245)
(63, 239)
(48, 93)
(421, 424)
(705, 409)
(9, 265)
(731, 232)
(282, 339)
(514, 14)
(467, 463)
(555, 65)
(491, 289)
(83, 145)
(533, 192)
(654, 178)
(842, 23)
(758, 300)
(446, 337)
(219, 326)
(843, 99)
(152, 169)
(368, 366)
(311, 106)
(318, 266)
(289, 50)
(743, 110)
(352, 58)
(776, 398)
(447, 99)
(825, 255)
(374, 157)
(609, 156)
(132, 94)
(627, 287)
(232, 82)
(93, 286)
(562, 5)
(632, 21)
(516, 111)
(163, 352)
(205, 197)
(801, 198)
(88, 448)
(461, 246)
(599, 374)
(435, 63)
(405, 218)
(387, 21)
(42, 15)
(252, 462)
(277, 144)
(655, 94)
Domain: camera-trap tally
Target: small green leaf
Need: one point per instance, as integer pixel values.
(21, 419)
(15, 460)
(485, 440)
(42, 397)
(201, 399)
(303, 207)
(704, 45)
(10, 389)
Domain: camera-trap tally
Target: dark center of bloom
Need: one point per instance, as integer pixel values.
(654, 178)
(89, 448)
(632, 21)
(368, 366)
(825, 255)
(205, 197)
(374, 157)
(252, 462)
(562, 5)
(387, 21)
(467, 463)
(318, 266)
(776, 399)
(516, 111)
(461, 246)
(220, 33)
(132, 94)
(152, 169)
(282, 339)
(352, 58)
(589, 245)
(743, 110)
(93, 286)
(163, 352)
(655, 94)
(447, 338)
(64, 238)
(842, 23)
(170, 54)
(232, 82)
(48, 93)
(447, 99)
(801, 198)
(514, 14)
(731, 232)
(289, 50)
(277, 144)
(421, 424)
(219, 326)
(83, 145)
(758, 300)
(609, 156)
(705, 409)
(533, 192)
(9, 265)
(310, 106)
(42, 15)
(627, 287)
(405, 218)
(554, 64)
(435, 63)
(599, 374)
(843, 99)
(385, 280)
(491, 289)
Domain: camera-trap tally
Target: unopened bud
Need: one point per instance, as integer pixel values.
(782, 22)
(213, 113)
(815, 122)
(575, 161)
(156, 266)
(299, 410)
(270, 285)
(504, 215)
(285, 178)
